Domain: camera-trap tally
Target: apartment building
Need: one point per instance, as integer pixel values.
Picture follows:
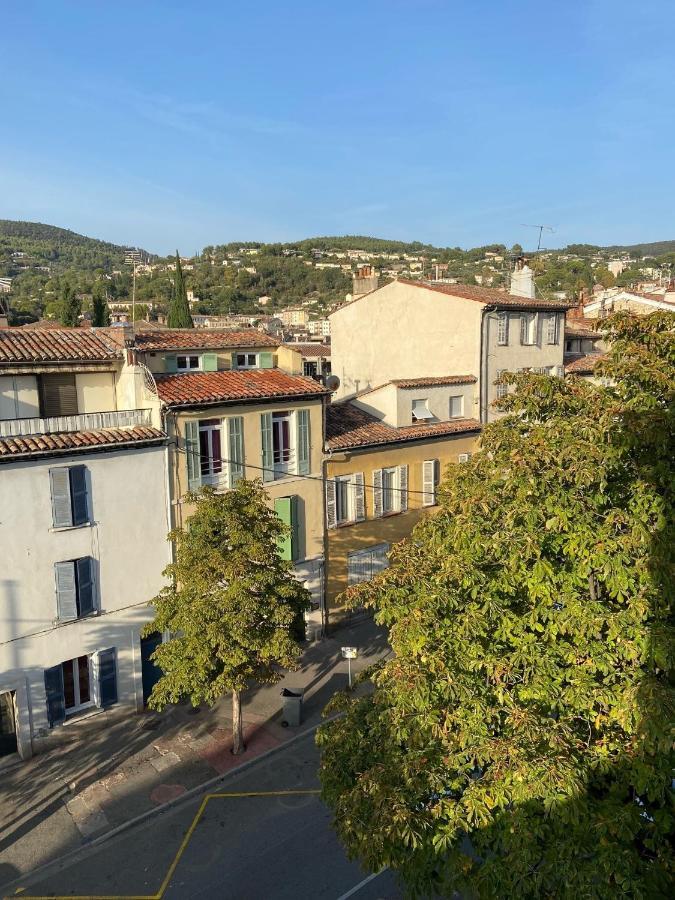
(386, 453)
(235, 404)
(415, 329)
(81, 452)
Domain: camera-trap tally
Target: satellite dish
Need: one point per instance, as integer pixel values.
(332, 382)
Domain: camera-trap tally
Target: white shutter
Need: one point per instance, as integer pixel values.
(62, 513)
(429, 482)
(377, 492)
(66, 592)
(523, 328)
(403, 488)
(331, 505)
(358, 494)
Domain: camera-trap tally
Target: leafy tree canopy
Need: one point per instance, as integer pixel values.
(529, 701)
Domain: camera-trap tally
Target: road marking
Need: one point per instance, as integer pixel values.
(181, 850)
(357, 887)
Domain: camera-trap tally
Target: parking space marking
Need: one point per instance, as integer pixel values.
(357, 887)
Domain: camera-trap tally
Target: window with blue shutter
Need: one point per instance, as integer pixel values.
(302, 420)
(78, 494)
(107, 677)
(84, 571)
(56, 702)
(75, 592)
(68, 485)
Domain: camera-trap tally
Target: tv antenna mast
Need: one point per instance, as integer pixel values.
(542, 229)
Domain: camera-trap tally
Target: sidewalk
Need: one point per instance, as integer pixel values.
(109, 769)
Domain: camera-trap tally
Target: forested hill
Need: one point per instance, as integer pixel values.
(34, 243)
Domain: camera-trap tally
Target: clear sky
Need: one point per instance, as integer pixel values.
(175, 124)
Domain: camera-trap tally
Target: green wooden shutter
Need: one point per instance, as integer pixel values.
(62, 514)
(235, 436)
(267, 447)
(193, 457)
(266, 360)
(234, 360)
(302, 419)
(171, 364)
(210, 362)
(287, 510)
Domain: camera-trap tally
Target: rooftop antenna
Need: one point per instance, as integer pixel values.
(542, 229)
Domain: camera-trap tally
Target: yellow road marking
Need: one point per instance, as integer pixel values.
(181, 850)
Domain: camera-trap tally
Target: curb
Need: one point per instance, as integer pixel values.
(71, 855)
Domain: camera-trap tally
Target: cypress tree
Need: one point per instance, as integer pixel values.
(100, 313)
(179, 308)
(71, 306)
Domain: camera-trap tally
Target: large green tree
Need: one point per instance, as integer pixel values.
(232, 604)
(99, 309)
(179, 308)
(70, 306)
(519, 741)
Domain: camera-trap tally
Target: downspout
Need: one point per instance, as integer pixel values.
(324, 529)
(484, 346)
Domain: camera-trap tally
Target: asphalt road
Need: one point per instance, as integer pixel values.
(272, 845)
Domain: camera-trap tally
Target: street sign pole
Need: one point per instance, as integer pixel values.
(349, 653)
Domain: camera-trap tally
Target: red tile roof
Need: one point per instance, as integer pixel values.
(200, 388)
(202, 339)
(583, 328)
(310, 349)
(436, 380)
(348, 427)
(73, 441)
(19, 345)
(490, 296)
(584, 365)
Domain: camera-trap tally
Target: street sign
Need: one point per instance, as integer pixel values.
(349, 652)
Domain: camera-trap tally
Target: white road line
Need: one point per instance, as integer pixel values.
(357, 887)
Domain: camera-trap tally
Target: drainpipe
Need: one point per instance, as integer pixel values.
(324, 529)
(484, 346)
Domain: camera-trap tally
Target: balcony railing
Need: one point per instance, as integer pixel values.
(93, 421)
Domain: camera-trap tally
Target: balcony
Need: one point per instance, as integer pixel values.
(93, 421)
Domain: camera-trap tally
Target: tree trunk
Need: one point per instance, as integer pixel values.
(238, 745)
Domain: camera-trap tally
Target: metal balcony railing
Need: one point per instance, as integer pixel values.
(93, 421)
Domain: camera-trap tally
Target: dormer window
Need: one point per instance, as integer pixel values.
(247, 360)
(188, 363)
(420, 411)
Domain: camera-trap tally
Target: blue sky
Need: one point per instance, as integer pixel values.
(184, 124)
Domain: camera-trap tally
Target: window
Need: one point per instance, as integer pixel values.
(464, 457)
(552, 328)
(430, 479)
(215, 452)
(285, 444)
(363, 565)
(503, 328)
(247, 360)
(501, 390)
(80, 683)
(187, 363)
(345, 500)
(75, 595)
(528, 328)
(68, 485)
(420, 411)
(456, 406)
(58, 395)
(390, 490)
(287, 510)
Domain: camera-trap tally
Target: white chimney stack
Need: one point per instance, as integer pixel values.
(522, 280)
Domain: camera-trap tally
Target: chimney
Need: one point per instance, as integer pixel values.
(522, 279)
(366, 279)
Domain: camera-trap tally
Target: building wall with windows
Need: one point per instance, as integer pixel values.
(113, 518)
(401, 406)
(350, 542)
(162, 362)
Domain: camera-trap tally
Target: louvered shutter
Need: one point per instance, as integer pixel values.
(234, 361)
(56, 701)
(267, 440)
(78, 494)
(209, 362)
(171, 364)
(403, 486)
(377, 492)
(85, 585)
(302, 420)
(523, 328)
(266, 360)
(429, 482)
(359, 497)
(107, 677)
(59, 395)
(235, 436)
(193, 455)
(66, 591)
(282, 507)
(331, 504)
(62, 513)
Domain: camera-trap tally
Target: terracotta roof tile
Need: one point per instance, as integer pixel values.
(198, 388)
(348, 427)
(490, 295)
(202, 339)
(72, 441)
(309, 349)
(436, 380)
(19, 345)
(583, 328)
(584, 365)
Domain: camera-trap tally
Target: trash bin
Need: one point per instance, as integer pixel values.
(292, 712)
